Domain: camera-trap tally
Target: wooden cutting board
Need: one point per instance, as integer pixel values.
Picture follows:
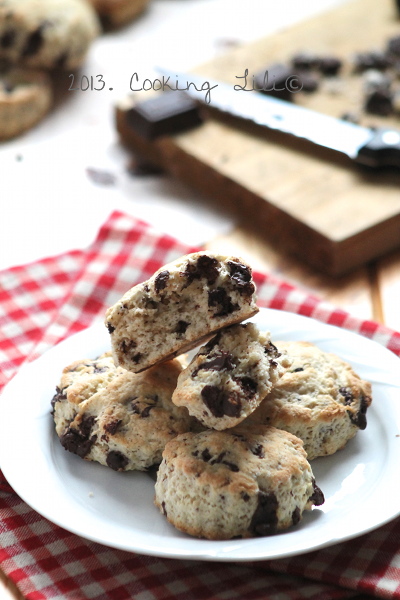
(308, 201)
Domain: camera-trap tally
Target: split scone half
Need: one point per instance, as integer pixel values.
(120, 419)
(238, 483)
(319, 398)
(179, 307)
(230, 376)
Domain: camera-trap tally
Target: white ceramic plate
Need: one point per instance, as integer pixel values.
(360, 483)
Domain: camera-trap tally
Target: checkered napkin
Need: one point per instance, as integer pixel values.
(45, 302)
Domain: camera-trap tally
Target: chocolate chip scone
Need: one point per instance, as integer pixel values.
(179, 307)
(319, 398)
(47, 33)
(229, 376)
(117, 418)
(25, 98)
(114, 13)
(238, 483)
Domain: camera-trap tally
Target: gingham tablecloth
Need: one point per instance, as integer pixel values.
(46, 301)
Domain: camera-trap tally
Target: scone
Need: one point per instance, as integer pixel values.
(25, 98)
(179, 307)
(319, 398)
(47, 33)
(119, 419)
(230, 376)
(114, 13)
(237, 483)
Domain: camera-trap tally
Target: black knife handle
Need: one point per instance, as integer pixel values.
(383, 149)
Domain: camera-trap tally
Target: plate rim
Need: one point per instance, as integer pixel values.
(60, 349)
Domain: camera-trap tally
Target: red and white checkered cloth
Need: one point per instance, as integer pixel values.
(45, 302)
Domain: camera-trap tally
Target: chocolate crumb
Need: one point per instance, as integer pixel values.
(161, 281)
(220, 403)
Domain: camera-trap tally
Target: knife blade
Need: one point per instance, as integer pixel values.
(367, 146)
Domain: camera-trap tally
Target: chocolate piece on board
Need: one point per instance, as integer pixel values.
(274, 80)
(168, 113)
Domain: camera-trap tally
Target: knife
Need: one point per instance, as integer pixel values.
(367, 146)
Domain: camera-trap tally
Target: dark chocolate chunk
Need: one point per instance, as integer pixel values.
(116, 460)
(273, 80)
(317, 497)
(371, 60)
(127, 347)
(305, 61)
(110, 328)
(7, 39)
(181, 327)
(329, 65)
(265, 519)
(100, 177)
(163, 508)
(161, 281)
(220, 403)
(360, 419)
(298, 370)
(347, 395)
(165, 114)
(258, 450)
(136, 358)
(245, 496)
(219, 362)
(272, 350)
(78, 441)
(146, 411)
(206, 267)
(379, 102)
(296, 515)
(219, 297)
(393, 46)
(241, 277)
(113, 426)
(205, 455)
(34, 42)
(59, 396)
(309, 81)
(248, 385)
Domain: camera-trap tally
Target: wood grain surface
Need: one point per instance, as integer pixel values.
(310, 202)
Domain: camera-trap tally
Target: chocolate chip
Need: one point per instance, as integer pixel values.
(59, 396)
(219, 297)
(241, 276)
(205, 267)
(116, 460)
(231, 466)
(127, 347)
(371, 60)
(110, 328)
(161, 281)
(245, 497)
(181, 327)
(272, 80)
(146, 411)
(7, 39)
(78, 441)
(296, 515)
(34, 42)
(360, 419)
(265, 519)
(272, 350)
(219, 362)
(305, 61)
(258, 450)
(248, 385)
(205, 455)
(329, 65)
(379, 102)
(309, 81)
(220, 403)
(163, 508)
(112, 426)
(211, 344)
(317, 497)
(347, 395)
(164, 114)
